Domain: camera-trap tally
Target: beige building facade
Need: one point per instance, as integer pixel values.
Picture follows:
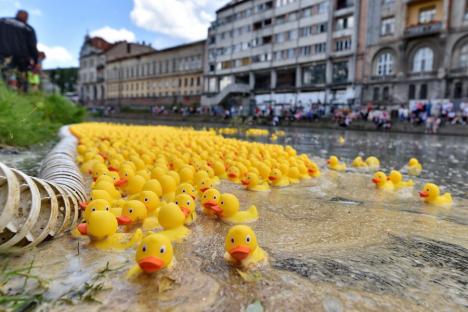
(173, 76)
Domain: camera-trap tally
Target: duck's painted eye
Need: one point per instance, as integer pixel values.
(107, 208)
(162, 249)
(232, 240)
(130, 210)
(176, 202)
(193, 190)
(143, 248)
(183, 191)
(188, 203)
(146, 199)
(93, 209)
(222, 203)
(247, 239)
(204, 196)
(214, 197)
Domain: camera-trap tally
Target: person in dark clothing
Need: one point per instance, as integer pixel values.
(18, 46)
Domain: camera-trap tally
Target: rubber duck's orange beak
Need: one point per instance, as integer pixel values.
(245, 182)
(151, 264)
(376, 181)
(311, 171)
(232, 175)
(124, 220)
(83, 228)
(272, 178)
(185, 210)
(424, 194)
(121, 182)
(94, 179)
(83, 205)
(213, 205)
(204, 189)
(193, 197)
(328, 162)
(112, 169)
(240, 252)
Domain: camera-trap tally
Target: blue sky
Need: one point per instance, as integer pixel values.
(62, 24)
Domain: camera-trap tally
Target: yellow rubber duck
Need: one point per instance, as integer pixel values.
(335, 164)
(204, 184)
(154, 253)
(312, 169)
(242, 248)
(186, 174)
(133, 212)
(99, 205)
(154, 186)
(187, 205)
(187, 188)
(431, 195)
(373, 162)
(101, 228)
(149, 199)
(341, 140)
(233, 174)
(277, 179)
(209, 202)
(382, 182)
(168, 185)
(172, 219)
(109, 188)
(252, 182)
(397, 180)
(230, 213)
(358, 162)
(414, 167)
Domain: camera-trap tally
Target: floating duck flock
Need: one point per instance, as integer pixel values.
(150, 183)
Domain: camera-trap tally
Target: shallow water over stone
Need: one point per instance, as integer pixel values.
(334, 244)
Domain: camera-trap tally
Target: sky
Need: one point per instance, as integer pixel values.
(61, 25)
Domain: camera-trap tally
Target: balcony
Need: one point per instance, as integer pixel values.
(382, 78)
(423, 30)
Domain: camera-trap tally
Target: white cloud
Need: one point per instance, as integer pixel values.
(56, 56)
(113, 35)
(35, 12)
(184, 19)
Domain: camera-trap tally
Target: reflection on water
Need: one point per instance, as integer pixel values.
(334, 243)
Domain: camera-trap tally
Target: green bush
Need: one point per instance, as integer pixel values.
(34, 118)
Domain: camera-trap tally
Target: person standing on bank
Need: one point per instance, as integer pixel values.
(18, 48)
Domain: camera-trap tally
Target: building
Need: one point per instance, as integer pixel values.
(94, 54)
(92, 61)
(164, 77)
(283, 52)
(417, 50)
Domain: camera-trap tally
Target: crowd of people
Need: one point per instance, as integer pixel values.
(20, 61)
(432, 115)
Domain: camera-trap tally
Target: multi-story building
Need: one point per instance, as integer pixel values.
(283, 51)
(91, 87)
(95, 53)
(417, 50)
(170, 76)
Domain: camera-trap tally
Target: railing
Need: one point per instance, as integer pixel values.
(382, 78)
(232, 88)
(423, 29)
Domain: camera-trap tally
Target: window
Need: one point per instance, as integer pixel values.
(386, 93)
(387, 2)
(315, 74)
(411, 92)
(320, 47)
(388, 26)
(464, 56)
(343, 4)
(343, 44)
(423, 60)
(376, 94)
(280, 37)
(423, 92)
(340, 72)
(384, 64)
(427, 15)
(305, 51)
(344, 22)
(457, 92)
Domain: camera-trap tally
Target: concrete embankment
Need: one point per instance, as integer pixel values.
(397, 127)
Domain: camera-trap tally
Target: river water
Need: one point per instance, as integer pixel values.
(334, 243)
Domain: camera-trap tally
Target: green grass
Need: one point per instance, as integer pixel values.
(27, 119)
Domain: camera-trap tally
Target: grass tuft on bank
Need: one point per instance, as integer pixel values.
(27, 119)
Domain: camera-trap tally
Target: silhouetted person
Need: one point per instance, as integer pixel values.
(18, 45)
